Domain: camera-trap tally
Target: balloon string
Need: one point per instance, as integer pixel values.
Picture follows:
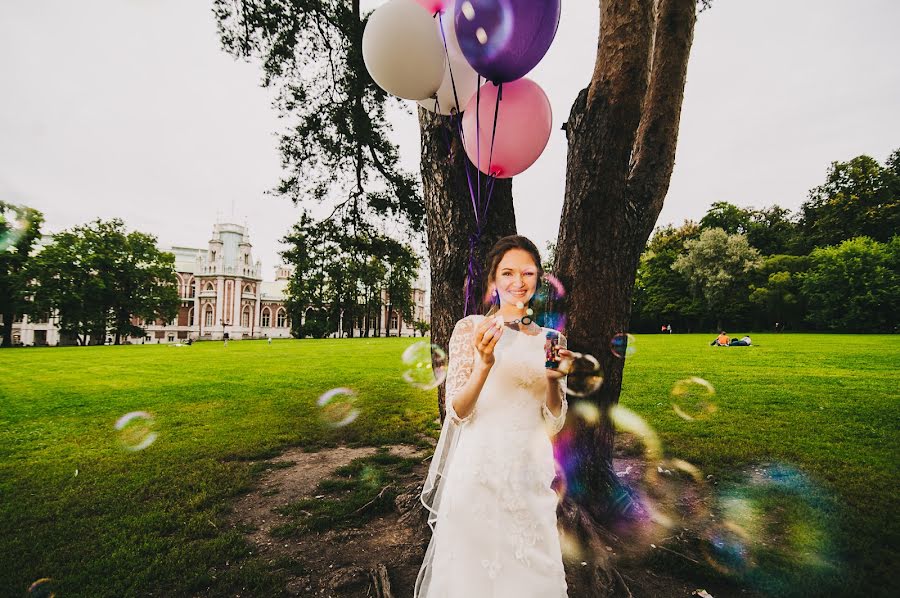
(472, 277)
(492, 174)
(478, 147)
(473, 271)
(450, 68)
(479, 204)
(456, 117)
(474, 267)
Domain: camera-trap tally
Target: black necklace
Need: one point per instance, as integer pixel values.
(524, 320)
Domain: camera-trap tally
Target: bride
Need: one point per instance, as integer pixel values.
(491, 507)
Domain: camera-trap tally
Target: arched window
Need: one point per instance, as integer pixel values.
(193, 288)
(208, 317)
(280, 318)
(191, 316)
(209, 287)
(394, 321)
(266, 317)
(245, 317)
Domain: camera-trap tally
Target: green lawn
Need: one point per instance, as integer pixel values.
(149, 522)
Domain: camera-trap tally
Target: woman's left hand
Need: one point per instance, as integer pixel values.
(560, 371)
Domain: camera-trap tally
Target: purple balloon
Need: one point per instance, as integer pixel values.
(504, 39)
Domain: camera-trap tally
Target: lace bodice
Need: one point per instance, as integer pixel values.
(518, 372)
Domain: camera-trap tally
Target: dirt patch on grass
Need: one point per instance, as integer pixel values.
(378, 547)
(343, 562)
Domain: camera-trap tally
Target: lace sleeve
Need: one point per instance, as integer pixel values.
(555, 423)
(462, 361)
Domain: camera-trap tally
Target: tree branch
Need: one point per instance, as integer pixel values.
(619, 81)
(657, 135)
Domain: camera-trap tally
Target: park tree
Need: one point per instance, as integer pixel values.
(777, 294)
(336, 148)
(421, 327)
(662, 295)
(402, 270)
(99, 278)
(306, 294)
(718, 268)
(339, 279)
(142, 281)
(773, 231)
(729, 217)
(854, 286)
(858, 198)
(20, 229)
(770, 230)
(373, 275)
(622, 132)
(549, 257)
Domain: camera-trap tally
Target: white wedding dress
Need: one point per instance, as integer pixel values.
(491, 507)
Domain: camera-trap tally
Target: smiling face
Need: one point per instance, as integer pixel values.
(516, 277)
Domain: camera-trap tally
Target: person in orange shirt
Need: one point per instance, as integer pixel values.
(721, 340)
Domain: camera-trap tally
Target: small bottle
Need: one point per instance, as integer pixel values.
(551, 350)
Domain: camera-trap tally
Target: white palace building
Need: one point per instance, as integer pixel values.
(223, 292)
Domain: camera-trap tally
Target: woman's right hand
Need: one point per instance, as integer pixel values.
(486, 336)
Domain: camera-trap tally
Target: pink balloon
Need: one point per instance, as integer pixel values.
(434, 6)
(523, 127)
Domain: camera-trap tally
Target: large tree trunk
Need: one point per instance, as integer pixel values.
(622, 132)
(451, 222)
(8, 317)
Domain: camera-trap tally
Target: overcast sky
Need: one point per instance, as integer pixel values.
(129, 108)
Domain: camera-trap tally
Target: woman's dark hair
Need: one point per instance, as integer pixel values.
(505, 244)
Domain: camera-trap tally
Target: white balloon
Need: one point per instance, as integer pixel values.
(466, 81)
(403, 51)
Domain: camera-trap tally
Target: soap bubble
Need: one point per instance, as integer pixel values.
(676, 494)
(572, 550)
(425, 365)
(645, 512)
(726, 547)
(634, 430)
(42, 588)
(549, 303)
(773, 530)
(136, 430)
(623, 345)
(14, 221)
(693, 399)
(588, 411)
(338, 407)
(583, 374)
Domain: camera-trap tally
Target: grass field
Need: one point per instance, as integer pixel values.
(102, 521)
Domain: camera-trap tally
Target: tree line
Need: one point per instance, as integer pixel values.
(834, 266)
(343, 279)
(99, 280)
(96, 279)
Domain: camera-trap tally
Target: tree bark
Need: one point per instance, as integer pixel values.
(622, 132)
(8, 317)
(450, 221)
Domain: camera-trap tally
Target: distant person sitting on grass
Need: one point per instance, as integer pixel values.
(720, 341)
(744, 342)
